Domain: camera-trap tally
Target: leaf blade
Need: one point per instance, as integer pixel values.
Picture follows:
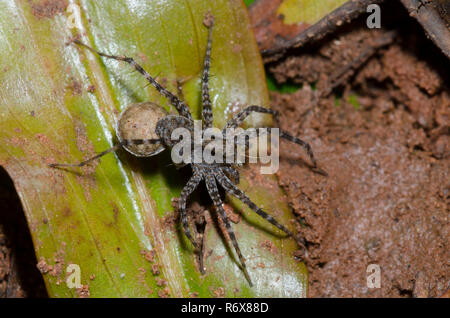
(107, 217)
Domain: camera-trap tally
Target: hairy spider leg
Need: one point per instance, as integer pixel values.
(213, 191)
(206, 100)
(240, 117)
(232, 172)
(202, 248)
(235, 191)
(185, 193)
(101, 154)
(179, 105)
(302, 143)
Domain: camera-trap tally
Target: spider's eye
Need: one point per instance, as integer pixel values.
(138, 122)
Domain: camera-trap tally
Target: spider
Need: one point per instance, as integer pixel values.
(145, 129)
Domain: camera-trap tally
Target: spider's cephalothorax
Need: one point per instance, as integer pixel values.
(145, 129)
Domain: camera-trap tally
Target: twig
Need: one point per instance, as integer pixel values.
(345, 13)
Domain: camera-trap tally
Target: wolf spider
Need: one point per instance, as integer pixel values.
(145, 129)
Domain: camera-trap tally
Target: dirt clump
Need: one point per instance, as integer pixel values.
(164, 293)
(48, 8)
(219, 292)
(43, 267)
(155, 270)
(148, 255)
(83, 291)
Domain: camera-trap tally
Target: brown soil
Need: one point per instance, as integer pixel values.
(383, 138)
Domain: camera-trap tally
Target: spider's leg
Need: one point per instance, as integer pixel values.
(187, 190)
(201, 232)
(298, 141)
(60, 165)
(214, 193)
(179, 105)
(232, 173)
(235, 191)
(302, 143)
(206, 100)
(239, 118)
(101, 154)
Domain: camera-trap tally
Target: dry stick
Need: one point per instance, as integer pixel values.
(342, 74)
(347, 12)
(434, 16)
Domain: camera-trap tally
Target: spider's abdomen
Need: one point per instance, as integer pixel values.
(138, 122)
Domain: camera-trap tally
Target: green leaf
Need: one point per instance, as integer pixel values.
(285, 88)
(307, 11)
(353, 100)
(59, 103)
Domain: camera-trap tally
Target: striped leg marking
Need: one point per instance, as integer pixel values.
(185, 193)
(112, 149)
(206, 100)
(214, 193)
(179, 105)
(239, 118)
(235, 191)
(302, 143)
